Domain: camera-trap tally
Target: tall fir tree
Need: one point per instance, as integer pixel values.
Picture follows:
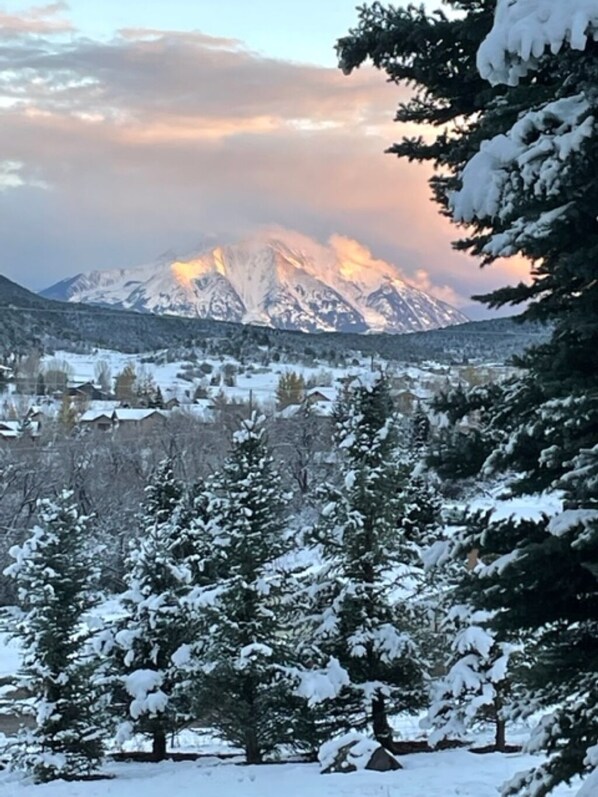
(149, 644)
(245, 648)
(56, 578)
(520, 115)
(355, 616)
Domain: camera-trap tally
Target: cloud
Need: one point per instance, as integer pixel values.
(38, 20)
(154, 139)
(14, 174)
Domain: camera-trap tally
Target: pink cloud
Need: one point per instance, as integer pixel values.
(35, 20)
(153, 139)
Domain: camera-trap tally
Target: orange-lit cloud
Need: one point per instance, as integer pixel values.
(154, 139)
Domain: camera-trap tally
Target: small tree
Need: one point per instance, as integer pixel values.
(55, 575)
(67, 414)
(147, 645)
(103, 374)
(27, 372)
(476, 686)
(246, 644)
(157, 399)
(290, 389)
(56, 376)
(125, 385)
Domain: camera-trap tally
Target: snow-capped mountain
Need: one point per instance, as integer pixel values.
(284, 280)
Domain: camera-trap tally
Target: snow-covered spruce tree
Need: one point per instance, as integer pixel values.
(519, 171)
(476, 686)
(538, 580)
(421, 530)
(420, 428)
(362, 616)
(56, 581)
(480, 670)
(245, 646)
(147, 645)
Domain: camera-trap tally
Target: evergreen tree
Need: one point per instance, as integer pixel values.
(538, 580)
(149, 645)
(420, 523)
(245, 646)
(156, 401)
(530, 135)
(476, 686)
(356, 619)
(420, 428)
(55, 576)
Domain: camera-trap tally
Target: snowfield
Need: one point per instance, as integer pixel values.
(449, 773)
(455, 773)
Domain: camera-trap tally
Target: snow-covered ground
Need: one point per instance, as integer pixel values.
(10, 655)
(454, 773)
(261, 382)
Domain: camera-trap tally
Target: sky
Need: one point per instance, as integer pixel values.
(129, 128)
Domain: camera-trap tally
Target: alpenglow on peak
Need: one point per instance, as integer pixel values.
(280, 279)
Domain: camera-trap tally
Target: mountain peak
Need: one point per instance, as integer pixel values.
(274, 277)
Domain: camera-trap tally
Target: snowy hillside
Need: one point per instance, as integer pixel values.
(287, 281)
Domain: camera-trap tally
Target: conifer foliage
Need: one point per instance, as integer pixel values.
(245, 645)
(476, 685)
(518, 168)
(357, 620)
(148, 643)
(55, 576)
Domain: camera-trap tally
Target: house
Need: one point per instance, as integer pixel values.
(98, 420)
(137, 421)
(9, 430)
(34, 415)
(88, 391)
(14, 430)
(406, 401)
(321, 395)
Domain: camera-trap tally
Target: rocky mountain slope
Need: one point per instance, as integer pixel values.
(28, 321)
(284, 282)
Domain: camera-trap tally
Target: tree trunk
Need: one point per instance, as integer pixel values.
(500, 737)
(253, 754)
(500, 725)
(159, 746)
(381, 728)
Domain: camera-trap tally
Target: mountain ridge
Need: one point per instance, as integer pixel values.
(28, 321)
(293, 284)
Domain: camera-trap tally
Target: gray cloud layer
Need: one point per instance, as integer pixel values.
(119, 150)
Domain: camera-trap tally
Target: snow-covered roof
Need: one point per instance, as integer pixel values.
(12, 429)
(421, 393)
(137, 414)
(289, 411)
(328, 393)
(9, 425)
(202, 410)
(93, 415)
